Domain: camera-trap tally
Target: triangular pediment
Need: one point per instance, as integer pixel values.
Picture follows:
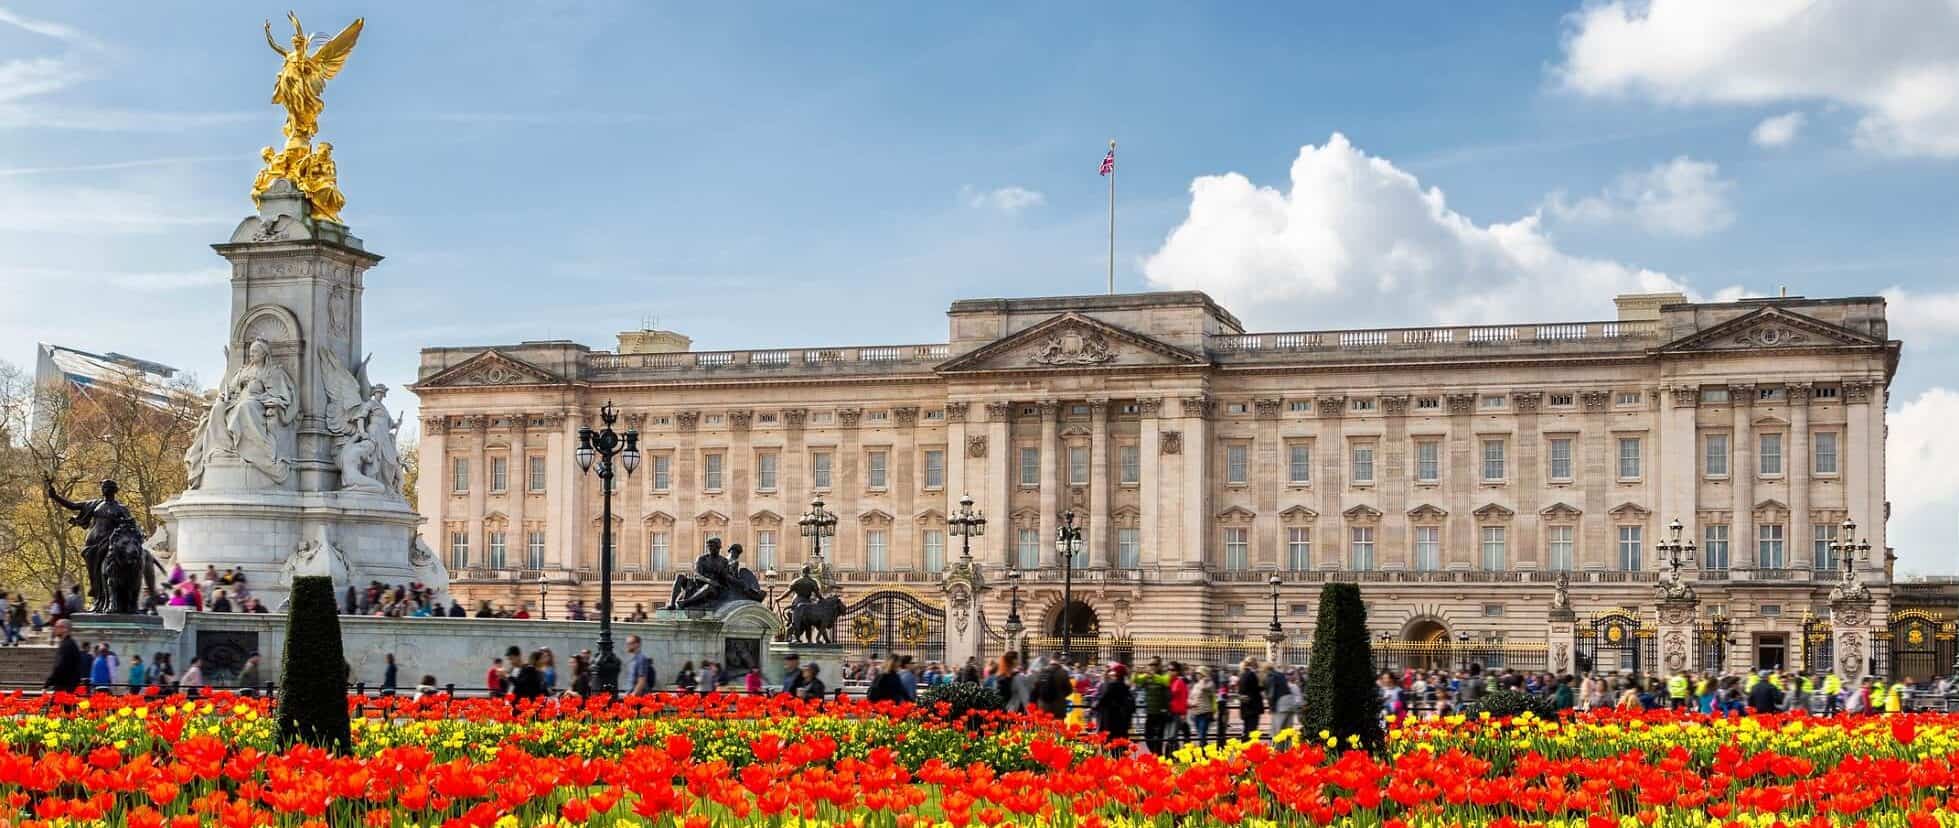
(1770, 328)
(764, 518)
(657, 519)
(1428, 511)
(490, 368)
(1630, 511)
(1362, 512)
(1299, 514)
(1494, 511)
(1236, 514)
(874, 516)
(1072, 341)
(711, 518)
(1560, 511)
(929, 517)
(1771, 506)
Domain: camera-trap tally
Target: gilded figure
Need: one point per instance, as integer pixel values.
(299, 88)
(318, 178)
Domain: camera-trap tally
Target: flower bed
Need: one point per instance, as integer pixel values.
(722, 761)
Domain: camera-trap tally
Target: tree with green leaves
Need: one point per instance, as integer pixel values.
(1341, 697)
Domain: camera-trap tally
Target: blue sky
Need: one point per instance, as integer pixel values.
(750, 173)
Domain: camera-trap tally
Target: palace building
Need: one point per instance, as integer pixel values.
(1453, 472)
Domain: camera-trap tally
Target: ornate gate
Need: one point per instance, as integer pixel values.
(1819, 646)
(1922, 644)
(1713, 646)
(1615, 641)
(892, 622)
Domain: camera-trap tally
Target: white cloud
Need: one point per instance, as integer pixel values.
(1921, 317)
(1682, 197)
(171, 280)
(26, 77)
(1920, 454)
(1009, 199)
(1778, 130)
(1357, 240)
(1893, 62)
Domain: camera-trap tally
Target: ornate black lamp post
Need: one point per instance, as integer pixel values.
(1068, 542)
(603, 445)
(818, 523)
(1013, 626)
(1679, 553)
(968, 524)
(543, 599)
(1850, 550)
(1275, 582)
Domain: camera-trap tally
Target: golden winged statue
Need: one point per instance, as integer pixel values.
(299, 88)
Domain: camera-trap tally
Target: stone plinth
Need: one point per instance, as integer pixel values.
(963, 586)
(1677, 635)
(372, 533)
(1561, 639)
(1850, 631)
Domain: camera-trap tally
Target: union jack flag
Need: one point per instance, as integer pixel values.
(1109, 162)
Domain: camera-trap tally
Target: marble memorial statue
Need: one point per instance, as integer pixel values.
(429, 571)
(251, 419)
(812, 615)
(363, 431)
(1561, 592)
(117, 567)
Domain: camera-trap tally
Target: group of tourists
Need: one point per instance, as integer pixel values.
(99, 668)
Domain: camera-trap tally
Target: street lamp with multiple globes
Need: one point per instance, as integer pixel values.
(968, 524)
(1679, 553)
(817, 523)
(1849, 550)
(602, 446)
(1013, 626)
(1068, 543)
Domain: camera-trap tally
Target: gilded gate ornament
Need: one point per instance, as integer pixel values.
(300, 87)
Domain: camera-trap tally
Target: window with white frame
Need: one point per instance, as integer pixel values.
(1559, 540)
(1028, 548)
(1078, 465)
(497, 549)
(659, 551)
(934, 468)
(1714, 455)
(1237, 548)
(1564, 400)
(1030, 466)
(534, 549)
(1494, 401)
(537, 473)
(711, 464)
(1560, 459)
(765, 468)
(934, 543)
(1770, 551)
(1628, 398)
(1236, 469)
(1363, 463)
(1428, 461)
(1823, 535)
(1360, 548)
(1714, 395)
(765, 549)
(875, 552)
(1362, 404)
(1632, 542)
(1428, 548)
(819, 469)
(662, 472)
(1299, 463)
(1299, 548)
(458, 549)
(1824, 446)
(1131, 459)
(1714, 547)
(459, 475)
(1129, 548)
(875, 463)
(1493, 465)
(1768, 461)
(1496, 548)
(499, 473)
(1629, 458)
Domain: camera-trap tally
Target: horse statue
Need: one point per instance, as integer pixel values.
(815, 621)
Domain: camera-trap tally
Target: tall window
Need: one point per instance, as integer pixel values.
(1769, 548)
(1631, 543)
(765, 549)
(1493, 460)
(1028, 544)
(875, 473)
(534, 550)
(1825, 443)
(1496, 553)
(1428, 548)
(934, 550)
(1428, 461)
(458, 549)
(1360, 547)
(711, 471)
(662, 472)
(1235, 471)
(1299, 548)
(765, 464)
(1714, 547)
(1629, 458)
(1237, 548)
(875, 552)
(1078, 465)
(535, 482)
(499, 473)
(1030, 466)
(459, 474)
(1823, 534)
(1769, 461)
(1558, 538)
(1715, 455)
(1129, 548)
(496, 549)
(659, 551)
(1561, 458)
(819, 470)
(934, 469)
(1299, 463)
(1363, 464)
(1132, 464)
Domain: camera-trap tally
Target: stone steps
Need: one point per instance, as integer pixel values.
(25, 665)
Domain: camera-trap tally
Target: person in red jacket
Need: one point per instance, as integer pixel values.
(1179, 706)
(493, 680)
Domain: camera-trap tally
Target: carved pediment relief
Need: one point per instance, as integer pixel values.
(489, 368)
(1236, 515)
(1560, 511)
(711, 518)
(1071, 340)
(765, 518)
(657, 519)
(1362, 512)
(928, 517)
(1770, 327)
(1299, 514)
(1771, 509)
(1427, 511)
(1630, 511)
(875, 516)
(1494, 511)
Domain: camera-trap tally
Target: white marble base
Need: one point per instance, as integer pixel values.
(259, 531)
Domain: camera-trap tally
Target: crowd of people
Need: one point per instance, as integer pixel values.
(98, 667)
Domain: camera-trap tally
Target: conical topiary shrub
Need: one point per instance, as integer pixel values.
(313, 675)
(1341, 697)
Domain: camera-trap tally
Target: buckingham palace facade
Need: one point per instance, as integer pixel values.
(1453, 472)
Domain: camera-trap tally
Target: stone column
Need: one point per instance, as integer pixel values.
(432, 491)
(1149, 448)
(1523, 533)
(1196, 410)
(1598, 544)
(517, 487)
(1677, 457)
(964, 588)
(1267, 475)
(560, 477)
(901, 471)
(956, 485)
(793, 482)
(847, 469)
(1051, 479)
(1741, 474)
(1394, 476)
(1863, 465)
(1800, 538)
(629, 504)
(1465, 452)
(738, 466)
(686, 541)
(1678, 637)
(1101, 552)
(479, 486)
(1561, 641)
(1332, 485)
(1850, 632)
(998, 494)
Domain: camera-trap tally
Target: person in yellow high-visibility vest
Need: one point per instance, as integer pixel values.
(1749, 683)
(1877, 697)
(1894, 696)
(1833, 694)
(1677, 691)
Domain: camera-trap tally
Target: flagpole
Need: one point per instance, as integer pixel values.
(1112, 220)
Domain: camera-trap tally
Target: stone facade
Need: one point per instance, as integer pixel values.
(1453, 471)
